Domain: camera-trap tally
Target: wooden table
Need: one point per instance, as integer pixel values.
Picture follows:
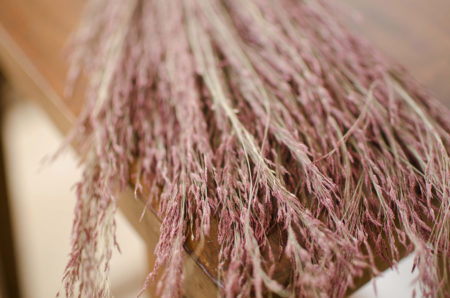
(33, 34)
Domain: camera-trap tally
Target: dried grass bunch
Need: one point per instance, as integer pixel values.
(259, 117)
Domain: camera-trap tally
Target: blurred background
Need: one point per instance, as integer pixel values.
(415, 33)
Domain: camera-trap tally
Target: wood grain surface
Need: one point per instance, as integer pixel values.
(34, 33)
(414, 33)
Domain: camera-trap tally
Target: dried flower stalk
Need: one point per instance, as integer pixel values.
(262, 115)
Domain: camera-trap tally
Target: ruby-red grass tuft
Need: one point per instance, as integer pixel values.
(256, 116)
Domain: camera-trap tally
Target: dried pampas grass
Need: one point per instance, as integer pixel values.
(259, 117)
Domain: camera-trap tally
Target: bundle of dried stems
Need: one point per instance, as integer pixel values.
(261, 116)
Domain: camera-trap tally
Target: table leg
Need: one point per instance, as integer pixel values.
(9, 283)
